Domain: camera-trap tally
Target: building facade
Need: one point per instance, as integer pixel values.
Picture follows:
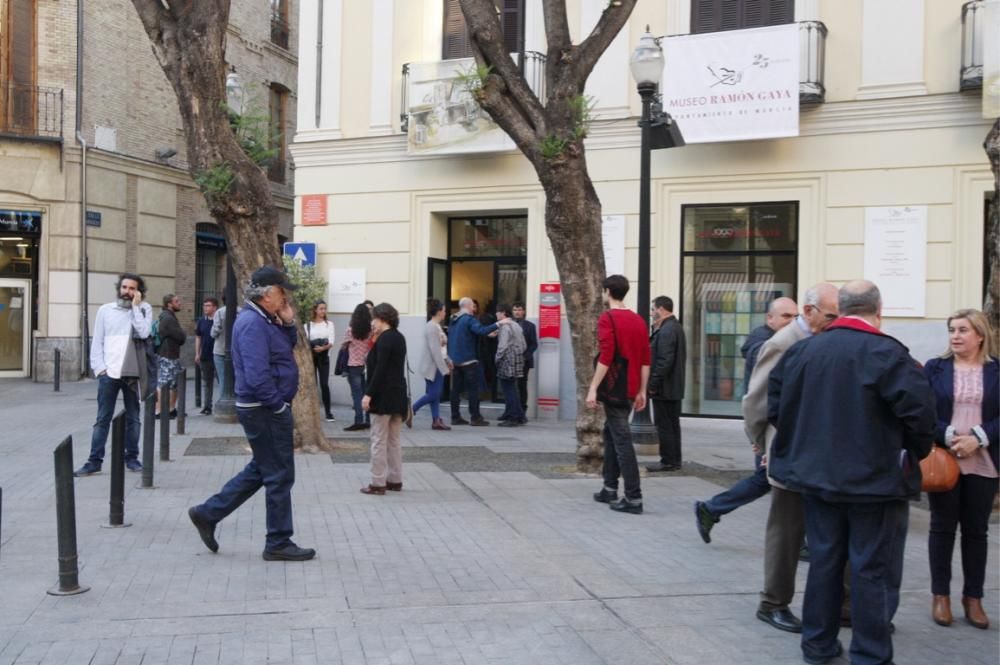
(889, 122)
(139, 210)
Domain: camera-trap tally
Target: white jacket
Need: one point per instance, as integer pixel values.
(114, 329)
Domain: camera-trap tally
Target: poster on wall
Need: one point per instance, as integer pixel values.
(346, 289)
(613, 236)
(735, 85)
(549, 326)
(991, 59)
(896, 258)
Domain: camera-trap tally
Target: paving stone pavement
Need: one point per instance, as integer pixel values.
(471, 567)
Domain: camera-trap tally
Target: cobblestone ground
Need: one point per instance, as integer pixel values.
(472, 563)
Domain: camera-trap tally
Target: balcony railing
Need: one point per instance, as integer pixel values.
(534, 74)
(973, 16)
(30, 111)
(279, 30)
(812, 54)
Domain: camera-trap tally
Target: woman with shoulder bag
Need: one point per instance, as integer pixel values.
(434, 365)
(321, 334)
(358, 340)
(965, 383)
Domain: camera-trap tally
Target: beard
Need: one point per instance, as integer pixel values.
(125, 301)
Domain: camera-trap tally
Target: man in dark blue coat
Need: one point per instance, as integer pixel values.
(266, 381)
(463, 340)
(854, 416)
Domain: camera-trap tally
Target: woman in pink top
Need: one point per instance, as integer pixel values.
(358, 343)
(965, 382)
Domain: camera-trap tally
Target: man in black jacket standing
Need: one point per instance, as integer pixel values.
(854, 415)
(668, 350)
(531, 340)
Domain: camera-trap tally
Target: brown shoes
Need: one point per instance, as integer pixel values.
(438, 424)
(974, 612)
(373, 489)
(941, 610)
(394, 487)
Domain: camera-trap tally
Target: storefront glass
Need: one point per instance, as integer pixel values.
(736, 259)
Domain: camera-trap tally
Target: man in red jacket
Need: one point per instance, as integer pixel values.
(621, 334)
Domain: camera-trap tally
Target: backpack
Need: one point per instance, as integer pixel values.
(154, 334)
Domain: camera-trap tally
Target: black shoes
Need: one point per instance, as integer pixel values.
(624, 505)
(87, 469)
(205, 528)
(658, 468)
(330, 418)
(782, 620)
(459, 421)
(479, 422)
(705, 520)
(290, 552)
(605, 496)
(207, 411)
(510, 423)
(821, 660)
(356, 427)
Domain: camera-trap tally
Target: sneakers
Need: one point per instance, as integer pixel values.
(624, 505)
(87, 469)
(133, 465)
(330, 418)
(479, 422)
(705, 520)
(356, 427)
(290, 552)
(205, 528)
(605, 496)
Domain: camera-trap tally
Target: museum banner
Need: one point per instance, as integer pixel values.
(991, 59)
(735, 85)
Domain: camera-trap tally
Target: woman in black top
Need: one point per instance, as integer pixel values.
(386, 400)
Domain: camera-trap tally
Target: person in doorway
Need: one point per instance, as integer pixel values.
(434, 363)
(204, 347)
(172, 337)
(531, 345)
(115, 360)
(510, 367)
(620, 333)
(358, 340)
(219, 347)
(266, 382)
(386, 399)
(321, 334)
(463, 344)
(668, 349)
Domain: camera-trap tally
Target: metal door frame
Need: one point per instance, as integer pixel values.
(26, 309)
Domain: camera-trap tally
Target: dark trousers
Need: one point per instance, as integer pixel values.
(871, 537)
(356, 380)
(667, 417)
(272, 467)
(783, 538)
(968, 504)
(745, 491)
(465, 377)
(619, 453)
(107, 397)
(322, 363)
(511, 399)
(522, 390)
(207, 382)
(432, 395)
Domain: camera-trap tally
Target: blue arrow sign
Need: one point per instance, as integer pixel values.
(302, 252)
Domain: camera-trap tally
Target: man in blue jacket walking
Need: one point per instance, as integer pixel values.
(266, 381)
(462, 343)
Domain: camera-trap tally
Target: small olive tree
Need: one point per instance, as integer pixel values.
(311, 287)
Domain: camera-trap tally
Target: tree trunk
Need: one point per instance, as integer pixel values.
(991, 306)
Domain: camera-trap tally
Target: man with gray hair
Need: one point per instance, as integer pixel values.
(463, 337)
(854, 415)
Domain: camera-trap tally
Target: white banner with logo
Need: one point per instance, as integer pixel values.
(991, 59)
(735, 85)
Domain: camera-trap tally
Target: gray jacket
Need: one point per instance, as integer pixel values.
(432, 359)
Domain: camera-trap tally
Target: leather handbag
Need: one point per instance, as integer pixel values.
(939, 471)
(340, 366)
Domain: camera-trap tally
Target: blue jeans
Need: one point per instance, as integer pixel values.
(220, 371)
(745, 491)
(107, 397)
(619, 453)
(871, 536)
(465, 377)
(432, 395)
(512, 399)
(356, 380)
(272, 467)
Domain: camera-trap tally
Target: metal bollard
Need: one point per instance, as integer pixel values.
(148, 441)
(165, 424)
(69, 570)
(56, 362)
(197, 384)
(116, 514)
(181, 400)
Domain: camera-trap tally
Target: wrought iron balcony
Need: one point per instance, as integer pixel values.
(30, 111)
(812, 53)
(973, 16)
(279, 30)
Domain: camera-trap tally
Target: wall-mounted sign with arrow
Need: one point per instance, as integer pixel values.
(303, 253)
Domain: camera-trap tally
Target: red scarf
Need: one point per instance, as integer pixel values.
(852, 323)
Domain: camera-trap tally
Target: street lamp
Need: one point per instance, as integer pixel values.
(658, 131)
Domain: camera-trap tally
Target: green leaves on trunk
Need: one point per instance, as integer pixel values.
(252, 131)
(581, 110)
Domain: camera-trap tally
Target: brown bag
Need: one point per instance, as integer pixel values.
(939, 471)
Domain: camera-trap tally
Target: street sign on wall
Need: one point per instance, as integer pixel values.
(302, 252)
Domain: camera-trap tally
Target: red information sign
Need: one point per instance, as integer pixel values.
(314, 210)
(549, 311)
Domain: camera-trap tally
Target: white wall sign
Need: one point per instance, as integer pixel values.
(346, 289)
(613, 236)
(734, 85)
(896, 257)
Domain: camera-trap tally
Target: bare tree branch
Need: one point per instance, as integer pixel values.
(612, 20)
(153, 14)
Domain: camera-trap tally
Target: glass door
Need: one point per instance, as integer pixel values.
(15, 327)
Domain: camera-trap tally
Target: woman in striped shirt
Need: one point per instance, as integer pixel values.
(358, 341)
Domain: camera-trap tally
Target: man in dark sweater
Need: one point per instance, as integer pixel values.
(780, 313)
(172, 337)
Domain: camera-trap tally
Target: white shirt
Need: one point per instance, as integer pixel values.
(321, 330)
(114, 328)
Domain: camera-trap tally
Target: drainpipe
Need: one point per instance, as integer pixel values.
(84, 282)
(319, 61)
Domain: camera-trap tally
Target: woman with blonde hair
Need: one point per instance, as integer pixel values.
(966, 384)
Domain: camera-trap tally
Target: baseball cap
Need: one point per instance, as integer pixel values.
(268, 276)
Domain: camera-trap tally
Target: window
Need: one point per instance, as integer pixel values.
(17, 66)
(210, 263)
(277, 103)
(279, 23)
(456, 36)
(719, 15)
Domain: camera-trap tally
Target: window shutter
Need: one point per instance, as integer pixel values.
(780, 12)
(703, 15)
(512, 23)
(456, 36)
(21, 41)
(718, 15)
(729, 15)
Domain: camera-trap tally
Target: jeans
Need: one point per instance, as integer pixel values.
(220, 371)
(871, 536)
(272, 467)
(465, 377)
(619, 453)
(522, 389)
(322, 363)
(512, 400)
(745, 491)
(968, 504)
(107, 397)
(356, 380)
(208, 381)
(432, 395)
(667, 416)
